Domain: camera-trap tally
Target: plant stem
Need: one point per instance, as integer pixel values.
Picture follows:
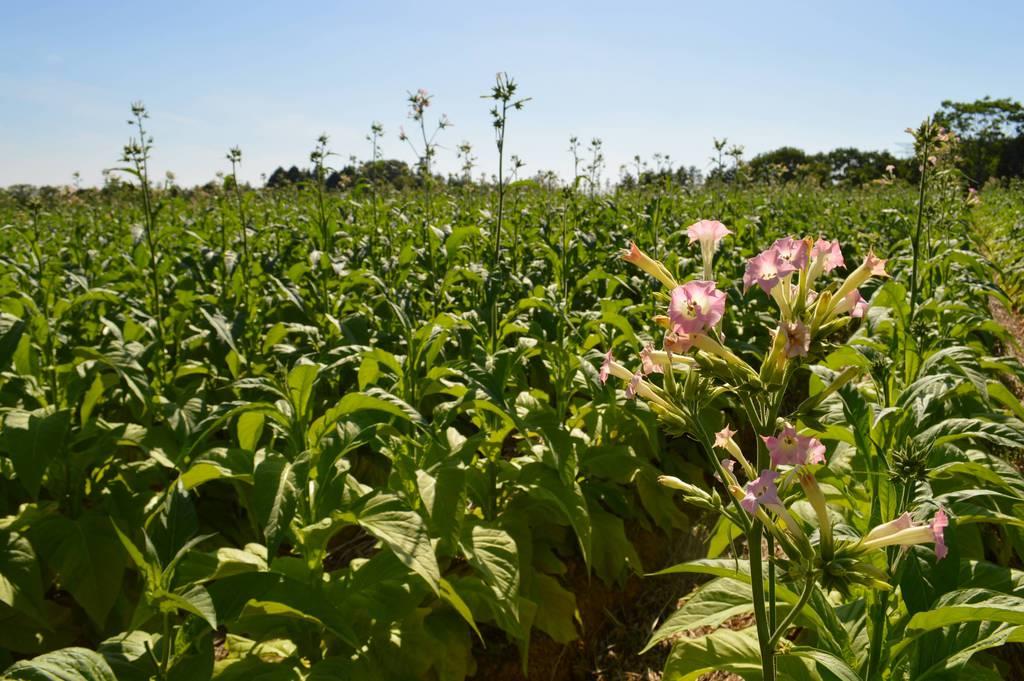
(916, 240)
(792, 614)
(757, 591)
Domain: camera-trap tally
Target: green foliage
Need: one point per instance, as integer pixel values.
(357, 442)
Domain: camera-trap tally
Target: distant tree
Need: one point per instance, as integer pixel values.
(991, 133)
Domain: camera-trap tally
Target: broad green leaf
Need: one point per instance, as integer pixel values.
(87, 557)
(556, 608)
(494, 554)
(375, 399)
(274, 498)
(300, 387)
(970, 605)
(230, 596)
(31, 439)
(403, 531)
(196, 600)
(249, 429)
(21, 585)
(829, 666)
(709, 606)
(730, 651)
(68, 664)
(545, 483)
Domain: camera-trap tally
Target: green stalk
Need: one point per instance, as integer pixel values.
(805, 596)
(764, 636)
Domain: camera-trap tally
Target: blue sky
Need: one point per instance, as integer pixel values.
(645, 77)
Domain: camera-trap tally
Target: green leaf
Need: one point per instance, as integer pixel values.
(86, 555)
(452, 598)
(494, 554)
(217, 464)
(231, 595)
(31, 439)
(556, 608)
(730, 651)
(9, 343)
(69, 664)
(709, 606)
(403, 531)
(196, 600)
(249, 429)
(444, 500)
(300, 387)
(545, 483)
(376, 399)
(970, 605)
(148, 566)
(21, 585)
(275, 498)
(829, 666)
(721, 650)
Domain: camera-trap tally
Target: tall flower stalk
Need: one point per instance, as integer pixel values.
(504, 95)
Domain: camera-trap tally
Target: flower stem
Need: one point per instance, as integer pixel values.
(760, 615)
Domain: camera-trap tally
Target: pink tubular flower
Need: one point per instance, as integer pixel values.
(793, 251)
(792, 449)
(678, 342)
(827, 255)
(798, 339)
(709, 233)
(904, 532)
(873, 266)
(761, 491)
(903, 522)
(724, 437)
(858, 306)
(766, 270)
(635, 256)
(606, 367)
(696, 306)
(649, 366)
(634, 385)
(939, 524)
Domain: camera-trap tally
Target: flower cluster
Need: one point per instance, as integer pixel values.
(791, 272)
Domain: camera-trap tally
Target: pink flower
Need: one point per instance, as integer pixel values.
(904, 532)
(792, 449)
(827, 255)
(606, 367)
(766, 270)
(678, 342)
(793, 251)
(635, 256)
(707, 231)
(761, 491)
(858, 306)
(696, 306)
(939, 524)
(724, 437)
(875, 265)
(798, 339)
(634, 385)
(649, 366)
(904, 522)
